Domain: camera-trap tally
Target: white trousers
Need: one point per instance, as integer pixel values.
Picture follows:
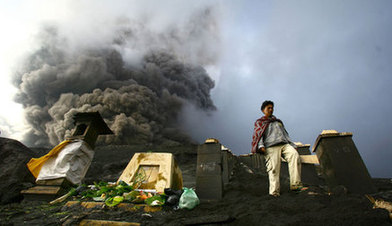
(273, 161)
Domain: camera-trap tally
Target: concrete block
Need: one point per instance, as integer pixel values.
(159, 170)
(209, 181)
(303, 149)
(42, 193)
(209, 187)
(212, 148)
(341, 163)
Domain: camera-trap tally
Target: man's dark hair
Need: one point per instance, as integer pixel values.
(266, 103)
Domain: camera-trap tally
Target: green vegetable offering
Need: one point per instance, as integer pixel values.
(156, 200)
(113, 194)
(131, 195)
(114, 201)
(103, 190)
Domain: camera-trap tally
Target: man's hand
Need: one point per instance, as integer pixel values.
(261, 150)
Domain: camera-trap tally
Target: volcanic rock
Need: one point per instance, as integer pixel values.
(14, 174)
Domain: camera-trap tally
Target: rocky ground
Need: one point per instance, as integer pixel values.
(245, 200)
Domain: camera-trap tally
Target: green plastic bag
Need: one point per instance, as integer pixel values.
(188, 199)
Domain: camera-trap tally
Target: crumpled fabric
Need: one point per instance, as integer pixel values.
(35, 164)
(72, 163)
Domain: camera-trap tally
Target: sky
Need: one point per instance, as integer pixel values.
(325, 64)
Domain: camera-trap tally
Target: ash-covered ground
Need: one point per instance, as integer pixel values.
(245, 202)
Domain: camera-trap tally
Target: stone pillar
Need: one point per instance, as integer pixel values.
(209, 178)
(341, 163)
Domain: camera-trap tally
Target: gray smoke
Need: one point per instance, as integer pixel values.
(5, 129)
(139, 81)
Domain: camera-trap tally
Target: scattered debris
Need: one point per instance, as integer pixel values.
(72, 192)
(147, 215)
(379, 203)
(247, 169)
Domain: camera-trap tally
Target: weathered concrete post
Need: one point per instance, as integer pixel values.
(227, 164)
(308, 168)
(303, 149)
(341, 163)
(225, 167)
(209, 180)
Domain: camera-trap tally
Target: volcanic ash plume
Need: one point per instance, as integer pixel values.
(139, 99)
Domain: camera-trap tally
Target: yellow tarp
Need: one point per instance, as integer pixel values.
(35, 164)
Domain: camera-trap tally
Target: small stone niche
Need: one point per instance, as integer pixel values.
(89, 125)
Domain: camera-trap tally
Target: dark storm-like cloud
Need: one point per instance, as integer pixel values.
(138, 82)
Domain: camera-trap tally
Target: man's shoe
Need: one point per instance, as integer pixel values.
(299, 189)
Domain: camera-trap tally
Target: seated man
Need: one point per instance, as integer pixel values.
(271, 139)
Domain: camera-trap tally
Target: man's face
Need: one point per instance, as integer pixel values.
(268, 110)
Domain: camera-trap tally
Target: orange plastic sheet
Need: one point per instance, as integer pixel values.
(35, 164)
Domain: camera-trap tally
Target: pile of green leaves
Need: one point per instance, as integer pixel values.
(103, 189)
(113, 194)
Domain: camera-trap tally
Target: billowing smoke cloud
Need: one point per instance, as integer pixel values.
(138, 81)
(5, 129)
